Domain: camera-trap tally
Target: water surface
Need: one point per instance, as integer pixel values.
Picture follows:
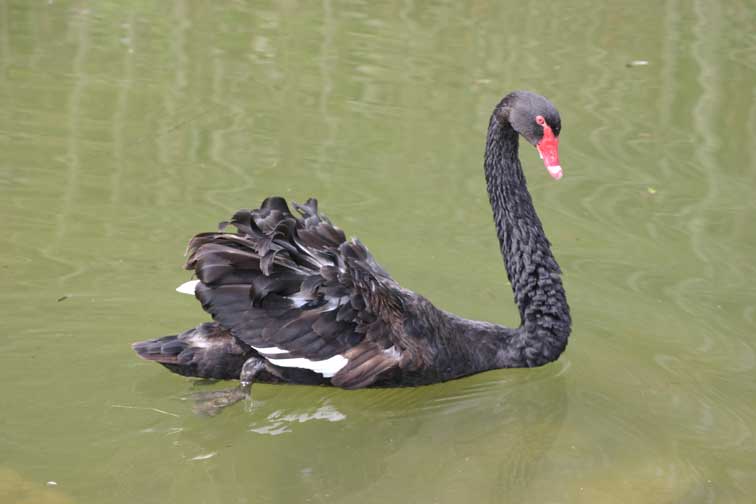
(126, 127)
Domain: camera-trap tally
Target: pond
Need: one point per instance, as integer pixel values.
(126, 127)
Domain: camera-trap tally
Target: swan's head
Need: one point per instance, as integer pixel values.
(537, 120)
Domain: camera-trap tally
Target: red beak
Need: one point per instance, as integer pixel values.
(548, 148)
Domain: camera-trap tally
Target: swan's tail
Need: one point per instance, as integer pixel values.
(206, 351)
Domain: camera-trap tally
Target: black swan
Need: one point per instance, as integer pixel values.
(293, 301)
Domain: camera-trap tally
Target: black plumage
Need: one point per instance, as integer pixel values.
(289, 293)
(207, 350)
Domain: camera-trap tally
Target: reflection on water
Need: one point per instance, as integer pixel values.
(128, 127)
(279, 422)
(345, 446)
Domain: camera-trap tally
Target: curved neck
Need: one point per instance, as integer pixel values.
(531, 267)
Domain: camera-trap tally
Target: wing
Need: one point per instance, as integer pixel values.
(295, 290)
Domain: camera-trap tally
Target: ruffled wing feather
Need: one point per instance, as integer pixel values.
(294, 289)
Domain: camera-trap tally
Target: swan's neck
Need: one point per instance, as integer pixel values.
(531, 267)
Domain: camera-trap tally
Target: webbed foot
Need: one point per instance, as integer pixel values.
(213, 402)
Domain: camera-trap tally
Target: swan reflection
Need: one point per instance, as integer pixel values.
(279, 422)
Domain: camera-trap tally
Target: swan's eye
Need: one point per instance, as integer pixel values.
(540, 120)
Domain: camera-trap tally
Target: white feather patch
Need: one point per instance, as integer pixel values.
(273, 350)
(326, 367)
(299, 301)
(393, 352)
(199, 342)
(188, 287)
(332, 304)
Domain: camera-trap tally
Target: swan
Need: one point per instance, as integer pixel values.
(293, 301)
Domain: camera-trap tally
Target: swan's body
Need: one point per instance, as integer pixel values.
(293, 301)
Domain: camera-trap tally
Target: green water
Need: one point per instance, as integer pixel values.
(126, 127)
